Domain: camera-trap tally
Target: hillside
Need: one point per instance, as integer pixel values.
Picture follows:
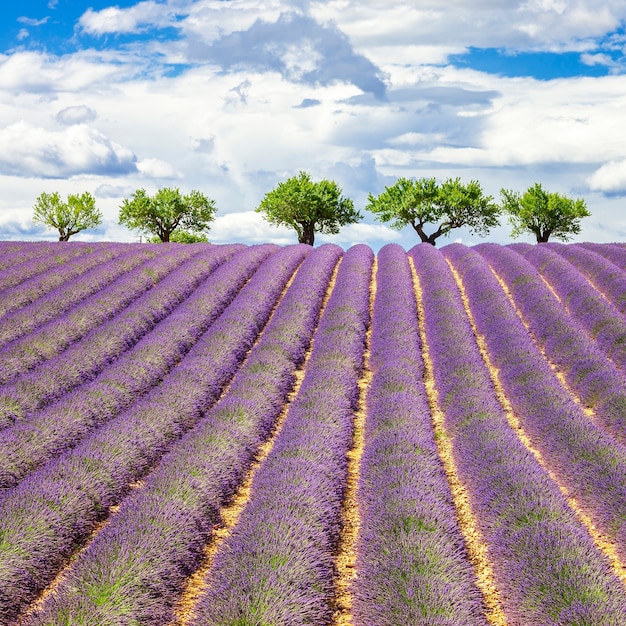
(255, 435)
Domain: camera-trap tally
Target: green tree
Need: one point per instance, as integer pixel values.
(543, 213)
(165, 212)
(308, 207)
(78, 213)
(423, 202)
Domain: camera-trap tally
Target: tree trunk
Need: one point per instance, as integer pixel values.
(308, 233)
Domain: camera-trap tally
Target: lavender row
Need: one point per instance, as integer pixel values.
(30, 261)
(69, 295)
(587, 370)
(614, 252)
(46, 340)
(277, 566)
(85, 359)
(60, 425)
(585, 460)
(412, 563)
(28, 290)
(600, 319)
(14, 253)
(605, 276)
(195, 478)
(55, 509)
(546, 567)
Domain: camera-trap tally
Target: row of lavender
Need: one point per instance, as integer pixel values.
(546, 566)
(53, 509)
(277, 566)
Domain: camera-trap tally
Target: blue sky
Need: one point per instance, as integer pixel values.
(233, 96)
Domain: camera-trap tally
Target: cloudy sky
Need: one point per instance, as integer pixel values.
(231, 97)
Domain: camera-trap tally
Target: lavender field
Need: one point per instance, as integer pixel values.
(263, 435)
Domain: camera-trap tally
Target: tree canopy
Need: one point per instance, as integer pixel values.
(543, 213)
(165, 212)
(308, 207)
(444, 206)
(78, 213)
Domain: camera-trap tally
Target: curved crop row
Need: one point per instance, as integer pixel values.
(614, 252)
(60, 425)
(147, 317)
(52, 511)
(96, 285)
(609, 279)
(546, 566)
(31, 262)
(14, 253)
(277, 566)
(40, 283)
(194, 479)
(411, 559)
(600, 319)
(587, 370)
(585, 460)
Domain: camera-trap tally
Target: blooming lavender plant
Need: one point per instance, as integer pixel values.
(62, 424)
(600, 319)
(545, 564)
(84, 360)
(587, 370)
(26, 291)
(605, 276)
(277, 566)
(54, 509)
(197, 476)
(74, 294)
(411, 559)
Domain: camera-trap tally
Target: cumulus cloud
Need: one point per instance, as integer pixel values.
(610, 178)
(79, 114)
(249, 226)
(297, 47)
(156, 168)
(130, 20)
(113, 191)
(33, 151)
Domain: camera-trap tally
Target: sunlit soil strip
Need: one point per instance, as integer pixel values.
(58, 579)
(476, 547)
(140, 483)
(346, 552)
(199, 581)
(605, 546)
(589, 412)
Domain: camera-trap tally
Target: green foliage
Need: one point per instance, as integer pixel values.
(449, 205)
(542, 213)
(308, 207)
(78, 213)
(165, 212)
(183, 236)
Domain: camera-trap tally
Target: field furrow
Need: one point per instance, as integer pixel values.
(277, 566)
(187, 492)
(589, 374)
(61, 425)
(36, 286)
(90, 300)
(586, 461)
(600, 319)
(605, 276)
(53, 510)
(147, 332)
(547, 570)
(412, 564)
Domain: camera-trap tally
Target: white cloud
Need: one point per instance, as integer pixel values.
(249, 226)
(156, 168)
(609, 178)
(27, 150)
(134, 19)
(78, 114)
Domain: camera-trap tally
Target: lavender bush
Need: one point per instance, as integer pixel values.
(545, 564)
(53, 510)
(411, 559)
